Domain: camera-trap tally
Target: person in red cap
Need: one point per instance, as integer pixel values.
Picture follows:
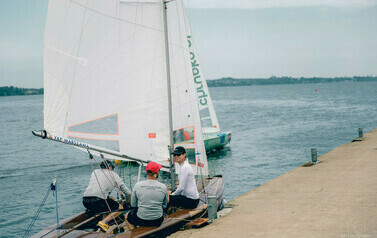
(148, 198)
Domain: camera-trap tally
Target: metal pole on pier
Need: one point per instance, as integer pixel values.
(314, 155)
(361, 135)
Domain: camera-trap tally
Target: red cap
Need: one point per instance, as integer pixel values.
(153, 167)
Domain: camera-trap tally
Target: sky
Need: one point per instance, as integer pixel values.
(237, 38)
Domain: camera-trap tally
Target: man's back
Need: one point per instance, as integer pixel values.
(107, 180)
(150, 196)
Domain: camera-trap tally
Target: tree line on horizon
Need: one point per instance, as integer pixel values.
(13, 91)
(231, 82)
(223, 82)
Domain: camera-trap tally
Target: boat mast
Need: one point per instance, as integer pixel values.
(171, 147)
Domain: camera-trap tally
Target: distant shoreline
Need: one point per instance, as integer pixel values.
(223, 82)
(14, 91)
(233, 82)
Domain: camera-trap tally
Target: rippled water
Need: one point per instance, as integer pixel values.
(273, 129)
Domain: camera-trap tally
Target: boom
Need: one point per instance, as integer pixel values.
(45, 135)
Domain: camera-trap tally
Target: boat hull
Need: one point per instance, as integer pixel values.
(84, 225)
(215, 142)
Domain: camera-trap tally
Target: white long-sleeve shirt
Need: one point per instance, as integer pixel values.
(107, 180)
(187, 185)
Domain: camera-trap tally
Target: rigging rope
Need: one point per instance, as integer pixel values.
(56, 228)
(111, 175)
(54, 190)
(129, 172)
(38, 211)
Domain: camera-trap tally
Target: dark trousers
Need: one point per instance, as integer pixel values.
(183, 202)
(137, 221)
(96, 205)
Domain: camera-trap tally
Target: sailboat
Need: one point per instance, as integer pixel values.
(119, 84)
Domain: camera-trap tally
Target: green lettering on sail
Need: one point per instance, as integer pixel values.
(197, 79)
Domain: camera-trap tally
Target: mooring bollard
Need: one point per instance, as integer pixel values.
(361, 133)
(314, 155)
(212, 207)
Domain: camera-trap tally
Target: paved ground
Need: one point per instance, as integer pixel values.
(335, 198)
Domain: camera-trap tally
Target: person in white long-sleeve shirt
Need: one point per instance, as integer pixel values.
(186, 195)
(102, 182)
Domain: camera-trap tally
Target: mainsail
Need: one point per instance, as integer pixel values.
(105, 78)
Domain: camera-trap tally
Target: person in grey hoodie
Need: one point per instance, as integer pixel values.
(102, 182)
(149, 198)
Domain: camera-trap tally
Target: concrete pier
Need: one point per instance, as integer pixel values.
(334, 198)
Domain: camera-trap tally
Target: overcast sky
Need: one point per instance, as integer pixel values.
(236, 38)
(252, 4)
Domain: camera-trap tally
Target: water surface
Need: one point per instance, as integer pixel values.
(273, 129)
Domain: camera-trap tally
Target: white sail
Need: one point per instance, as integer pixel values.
(208, 116)
(106, 81)
(186, 119)
(105, 75)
